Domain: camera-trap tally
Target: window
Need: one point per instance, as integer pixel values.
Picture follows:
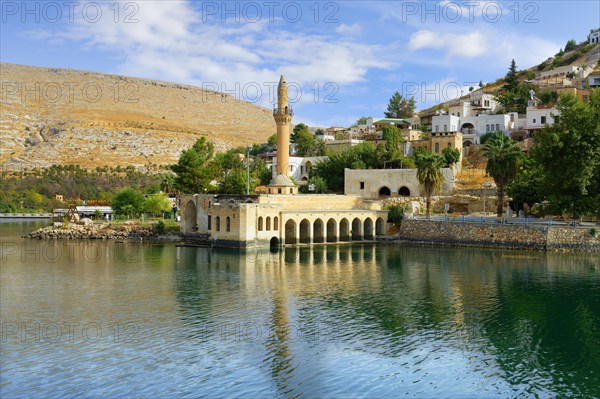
(268, 227)
(437, 128)
(458, 114)
(497, 127)
(260, 223)
(279, 191)
(228, 224)
(543, 120)
(275, 223)
(209, 222)
(362, 185)
(487, 128)
(437, 148)
(533, 120)
(445, 128)
(218, 223)
(449, 145)
(512, 117)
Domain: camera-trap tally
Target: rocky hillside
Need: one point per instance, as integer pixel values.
(63, 116)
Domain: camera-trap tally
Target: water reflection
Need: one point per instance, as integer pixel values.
(503, 317)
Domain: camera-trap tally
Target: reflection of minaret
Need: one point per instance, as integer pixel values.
(282, 184)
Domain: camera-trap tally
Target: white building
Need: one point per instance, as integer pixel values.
(593, 79)
(594, 37)
(538, 117)
(445, 123)
(299, 167)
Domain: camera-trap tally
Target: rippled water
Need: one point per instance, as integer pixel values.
(109, 319)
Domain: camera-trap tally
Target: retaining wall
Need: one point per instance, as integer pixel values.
(503, 236)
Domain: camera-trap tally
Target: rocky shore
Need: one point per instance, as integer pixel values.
(98, 231)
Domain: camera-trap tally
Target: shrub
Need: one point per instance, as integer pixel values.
(159, 227)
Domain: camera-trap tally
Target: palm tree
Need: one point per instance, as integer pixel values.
(429, 174)
(503, 155)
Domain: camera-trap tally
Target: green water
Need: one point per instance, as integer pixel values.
(109, 319)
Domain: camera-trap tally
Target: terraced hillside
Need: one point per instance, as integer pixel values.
(62, 116)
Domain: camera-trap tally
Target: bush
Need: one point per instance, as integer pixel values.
(159, 227)
(396, 213)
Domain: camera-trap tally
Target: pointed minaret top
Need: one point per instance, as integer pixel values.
(282, 81)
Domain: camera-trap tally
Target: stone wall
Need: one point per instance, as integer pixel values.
(508, 236)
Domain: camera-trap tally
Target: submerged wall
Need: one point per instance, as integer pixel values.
(508, 236)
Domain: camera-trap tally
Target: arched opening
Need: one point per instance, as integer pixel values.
(356, 230)
(404, 192)
(368, 229)
(290, 232)
(218, 224)
(380, 227)
(260, 223)
(467, 128)
(384, 192)
(268, 224)
(274, 242)
(467, 143)
(275, 223)
(305, 231)
(344, 230)
(227, 224)
(318, 233)
(331, 231)
(190, 217)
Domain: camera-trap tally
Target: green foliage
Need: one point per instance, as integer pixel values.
(515, 99)
(450, 156)
(526, 188)
(157, 203)
(393, 138)
(159, 227)
(485, 137)
(400, 107)
(569, 154)
(128, 202)
(308, 146)
(194, 170)
(320, 185)
(510, 80)
(331, 170)
(272, 139)
(300, 127)
(320, 132)
(429, 174)
(395, 213)
(548, 97)
(571, 45)
(361, 121)
(502, 160)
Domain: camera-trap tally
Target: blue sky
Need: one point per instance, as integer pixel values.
(343, 59)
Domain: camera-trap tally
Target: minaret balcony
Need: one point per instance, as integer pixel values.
(283, 111)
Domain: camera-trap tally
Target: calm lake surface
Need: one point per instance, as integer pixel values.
(106, 319)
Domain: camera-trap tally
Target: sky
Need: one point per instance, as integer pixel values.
(342, 59)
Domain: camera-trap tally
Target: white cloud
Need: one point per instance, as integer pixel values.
(349, 30)
(469, 45)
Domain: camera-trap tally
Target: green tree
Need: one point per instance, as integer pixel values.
(393, 138)
(450, 156)
(300, 127)
(571, 45)
(569, 154)
(502, 161)
(361, 121)
(485, 137)
(194, 170)
(308, 146)
(526, 188)
(510, 80)
(395, 213)
(429, 174)
(400, 107)
(481, 83)
(272, 140)
(319, 183)
(157, 203)
(128, 201)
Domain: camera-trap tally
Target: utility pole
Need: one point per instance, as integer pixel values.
(247, 170)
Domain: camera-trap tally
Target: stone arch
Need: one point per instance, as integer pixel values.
(218, 223)
(368, 229)
(318, 231)
(290, 232)
(274, 242)
(384, 192)
(227, 224)
(344, 230)
(260, 223)
(380, 227)
(190, 216)
(275, 223)
(467, 143)
(332, 230)
(356, 230)
(305, 231)
(268, 224)
(404, 191)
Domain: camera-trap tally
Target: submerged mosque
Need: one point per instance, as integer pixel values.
(282, 216)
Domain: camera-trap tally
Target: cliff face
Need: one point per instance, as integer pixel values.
(62, 116)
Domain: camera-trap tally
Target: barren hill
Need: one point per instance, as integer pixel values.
(63, 116)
